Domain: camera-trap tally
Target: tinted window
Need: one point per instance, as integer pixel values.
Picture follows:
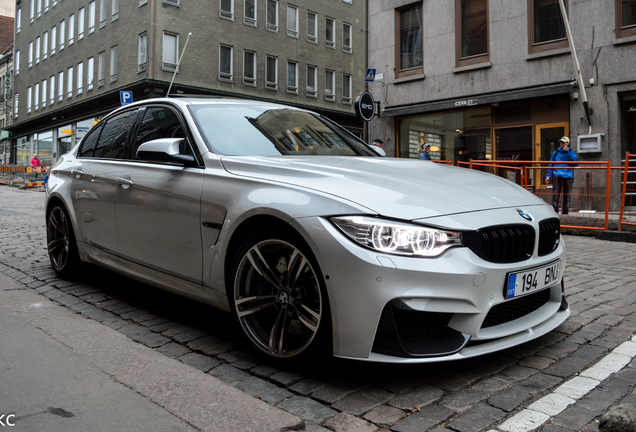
(89, 141)
(112, 141)
(160, 122)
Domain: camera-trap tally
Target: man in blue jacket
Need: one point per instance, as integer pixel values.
(562, 173)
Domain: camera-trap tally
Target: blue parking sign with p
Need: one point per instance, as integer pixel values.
(126, 97)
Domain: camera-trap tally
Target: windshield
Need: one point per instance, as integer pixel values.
(254, 131)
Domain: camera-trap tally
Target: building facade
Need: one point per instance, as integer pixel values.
(495, 79)
(73, 58)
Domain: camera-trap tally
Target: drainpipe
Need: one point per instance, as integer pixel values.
(152, 36)
(579, 77)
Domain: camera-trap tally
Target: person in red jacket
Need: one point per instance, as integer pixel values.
(35, 161)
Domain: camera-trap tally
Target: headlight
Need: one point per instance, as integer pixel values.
(397, 238)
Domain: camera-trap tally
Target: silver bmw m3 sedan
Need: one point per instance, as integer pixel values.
(310, 239)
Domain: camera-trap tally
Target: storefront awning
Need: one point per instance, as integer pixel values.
(478, 100)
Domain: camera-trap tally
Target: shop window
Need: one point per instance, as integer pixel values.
(409, 55)
(456, 136)
(546, 29)
(625, 18)
(471, 18)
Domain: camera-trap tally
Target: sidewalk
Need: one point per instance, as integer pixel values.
(63, 372)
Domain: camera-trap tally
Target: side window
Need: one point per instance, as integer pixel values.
(89, 141)
(112, 141)
(160, 122)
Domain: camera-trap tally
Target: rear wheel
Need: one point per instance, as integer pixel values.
(60, 241)
(277, 296)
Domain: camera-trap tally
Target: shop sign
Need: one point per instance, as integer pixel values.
(365, 106)
(466, 102)
(81, 132)
(631, 109)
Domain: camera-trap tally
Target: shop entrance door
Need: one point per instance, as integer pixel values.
(547, 138)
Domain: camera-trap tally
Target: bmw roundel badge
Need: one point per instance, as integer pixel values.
(526, 216)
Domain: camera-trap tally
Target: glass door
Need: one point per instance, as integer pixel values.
(547, 141)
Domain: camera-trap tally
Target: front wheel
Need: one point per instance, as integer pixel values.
(277, 296)
(60, 241)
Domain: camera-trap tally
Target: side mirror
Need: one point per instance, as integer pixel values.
(165, 150)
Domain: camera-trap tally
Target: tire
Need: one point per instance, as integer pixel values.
(61, 243)
(278, 299)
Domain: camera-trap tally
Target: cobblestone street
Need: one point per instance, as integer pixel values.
(502, 392)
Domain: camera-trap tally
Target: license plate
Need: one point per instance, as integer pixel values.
(531, 280)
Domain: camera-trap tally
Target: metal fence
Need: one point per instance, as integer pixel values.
(23, 176)
(596, 198)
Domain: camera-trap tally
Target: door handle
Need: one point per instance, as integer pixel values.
(77, 173)
(125, 182)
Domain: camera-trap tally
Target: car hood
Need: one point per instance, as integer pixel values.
(397, 188)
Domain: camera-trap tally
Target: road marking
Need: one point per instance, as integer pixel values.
(568, 393)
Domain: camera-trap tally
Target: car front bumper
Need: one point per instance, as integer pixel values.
(438, 308)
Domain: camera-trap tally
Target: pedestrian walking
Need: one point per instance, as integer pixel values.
(35, 161)
(563, 174)
(425, 155)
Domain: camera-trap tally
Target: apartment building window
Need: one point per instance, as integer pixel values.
(45, 45)
(102, 13)
(312, 27)
(29, 96)
(143, 2)
(101, 69)
(249, 68)
(312, 79)
(225, 63)
(32, 12)
(546, 29)
(80, 78)
(30, 57)
(38, 8)
(272, 15)
(91, 17)
(471, 30)
(625, 18)
(46, 8)
(17, 62)
(227, 9)
(292, 77)
(52, 90)
(113, 63)
(90, 70)
(53, 40)
(15, 105)
(44, 93)
(409, 37)
(176, 3)
(69, 82)
(346, 89)
(37, 50)
(330, 85)
(292, 21)
(53, 3)
(60, 86)
(71, 29)
(249, 17)
(330, 32)
(115, 10)
(18, 18)
(142, 48)
(346, 37)
(36, 97)
(271, 73)
(62, 34)
(80, 23)
(170, 51)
